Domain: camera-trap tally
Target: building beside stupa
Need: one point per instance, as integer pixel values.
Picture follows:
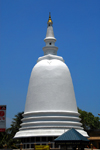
(51, 107)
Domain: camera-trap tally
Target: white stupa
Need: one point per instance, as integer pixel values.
(51, 107)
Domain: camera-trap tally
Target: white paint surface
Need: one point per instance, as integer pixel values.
(51, 107)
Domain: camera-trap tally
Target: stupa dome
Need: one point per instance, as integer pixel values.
(50, 86)
(51, 107)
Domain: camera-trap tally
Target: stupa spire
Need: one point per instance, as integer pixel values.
(50, 40)
(49, 20)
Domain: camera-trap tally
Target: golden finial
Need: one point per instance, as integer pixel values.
(49, 21)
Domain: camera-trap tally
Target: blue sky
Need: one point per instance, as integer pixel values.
(23, 26)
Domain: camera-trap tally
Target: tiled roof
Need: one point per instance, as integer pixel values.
(71, 135)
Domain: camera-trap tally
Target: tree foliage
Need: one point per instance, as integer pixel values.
(7, 137)
(88, 120)
(15, 125)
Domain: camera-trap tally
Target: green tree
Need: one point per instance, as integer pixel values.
(15, 125)
(88, 120)
(7, 137)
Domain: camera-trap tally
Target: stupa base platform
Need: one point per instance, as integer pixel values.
(44, 132)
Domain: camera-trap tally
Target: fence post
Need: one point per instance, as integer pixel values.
(21, 146)
(91, 146)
